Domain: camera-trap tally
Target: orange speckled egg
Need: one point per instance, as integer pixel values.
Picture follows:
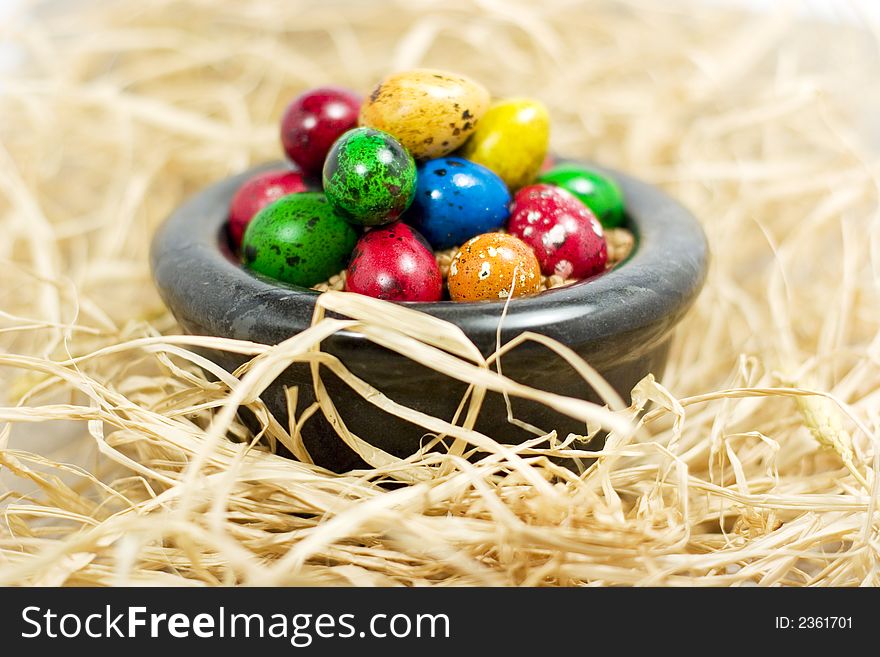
(489, 266)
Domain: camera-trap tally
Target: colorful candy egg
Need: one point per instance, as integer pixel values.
(258, 192)
(431, 112)
(512, 140)
(457, 199)
(489, 266)
(565, 236)
(598, 192)
(313, 121)
(395, 263)
(369, 178)
(298, 239)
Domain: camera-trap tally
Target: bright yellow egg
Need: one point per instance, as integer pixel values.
(512, 140)
(430, 112)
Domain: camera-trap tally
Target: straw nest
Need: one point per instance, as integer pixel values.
(756, 463)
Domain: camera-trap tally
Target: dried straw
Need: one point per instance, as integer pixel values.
(757, 462)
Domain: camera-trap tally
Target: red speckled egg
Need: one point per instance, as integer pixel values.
(562, 231)
(257, 193)
(313, 121)
(394, 262)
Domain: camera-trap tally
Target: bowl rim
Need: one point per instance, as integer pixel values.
(657, 282)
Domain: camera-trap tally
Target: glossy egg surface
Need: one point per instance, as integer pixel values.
(313, 121)
(394, 263)
(431, 112)
(564, 234)
(298, 239)
(512, 140)
(369, 178)
(258, 192)
(457, 199)
(595, 190)
(491, 266)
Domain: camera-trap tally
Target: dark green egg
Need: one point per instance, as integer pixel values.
(369, 177)
(298, 239)
(595, 190)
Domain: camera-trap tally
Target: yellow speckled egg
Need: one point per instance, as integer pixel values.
(512, 140)
(430, 112)
(488, 266)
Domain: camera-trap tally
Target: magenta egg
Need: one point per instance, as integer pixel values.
(394, 262)
(313, 121)
(258, 192)
(563, 232)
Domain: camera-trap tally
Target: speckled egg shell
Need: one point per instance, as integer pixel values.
(313, 121)
(298, 239)
(369, 178)
(565, 236)
(431, 112)
(394, 263)
(595, 190)
(258, 192)
(488, 266)
(457, 199)
(512, 140)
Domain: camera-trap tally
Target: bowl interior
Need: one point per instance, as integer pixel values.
(208, 290)
(225, 246)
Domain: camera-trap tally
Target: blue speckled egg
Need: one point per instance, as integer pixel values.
(457, 199)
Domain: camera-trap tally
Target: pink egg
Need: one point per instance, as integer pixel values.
(258, 192)
(394, 262)
(564, 234)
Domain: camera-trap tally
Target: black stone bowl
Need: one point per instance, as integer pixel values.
(620, 322)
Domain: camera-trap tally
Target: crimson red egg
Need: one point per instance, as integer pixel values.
(258, 192)
(313, 121)
(565, 235)
(395, 263)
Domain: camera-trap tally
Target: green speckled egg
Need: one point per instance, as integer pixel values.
(595, 190)
(512, 140)
(369, 177)
(298, 239)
